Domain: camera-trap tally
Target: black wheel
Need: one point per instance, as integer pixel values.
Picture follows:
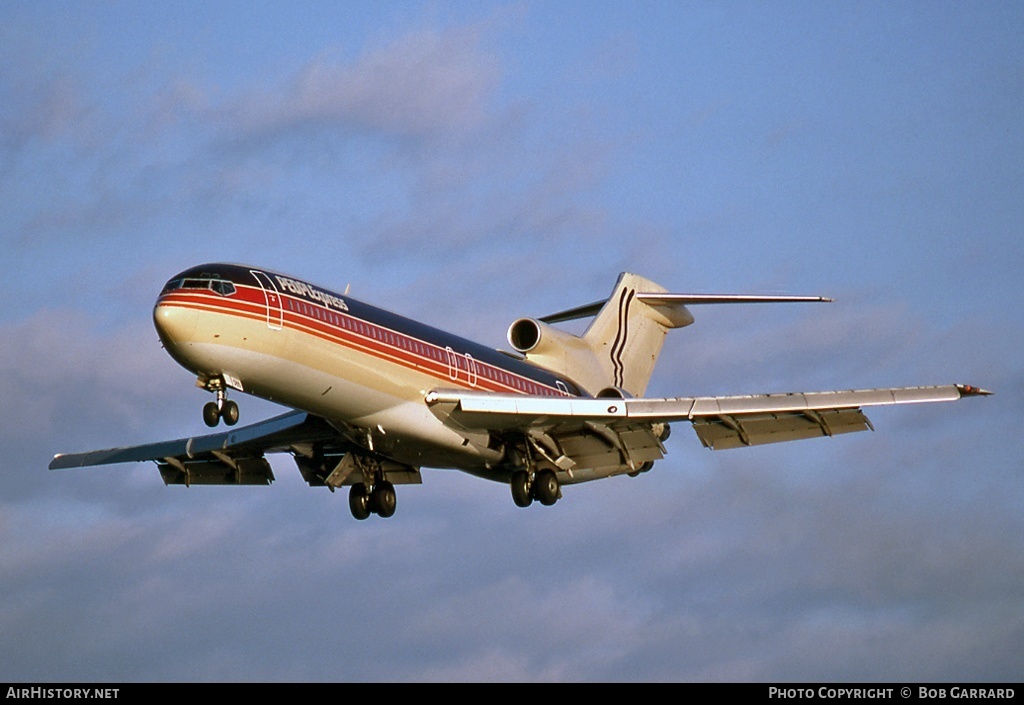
(643, 468)
(359, 501)
(545, 488)
(384, 499)
(520, 484)
(229, 413)
(211, 414)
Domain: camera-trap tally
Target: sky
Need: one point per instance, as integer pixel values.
(465, 164)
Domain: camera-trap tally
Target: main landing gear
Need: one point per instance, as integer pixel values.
(223, 408)
(370, 491)
(543, 487)
(380, 500)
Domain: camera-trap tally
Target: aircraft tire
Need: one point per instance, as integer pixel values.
(384, 499)
(359, 501)
(211, 414)
(520, 484)
(229, 413)
(642, 469)
(545, 487)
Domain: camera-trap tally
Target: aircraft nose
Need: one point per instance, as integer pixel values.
(173, 324)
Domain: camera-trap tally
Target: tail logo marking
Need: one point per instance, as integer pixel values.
(621, 336)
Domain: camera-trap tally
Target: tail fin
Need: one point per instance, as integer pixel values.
(622, 344)
(627, 334)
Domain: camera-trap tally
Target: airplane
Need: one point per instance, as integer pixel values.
(376, 396)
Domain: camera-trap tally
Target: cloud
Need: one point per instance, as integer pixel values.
(41, 104)
(173, 146)
(430, 82)
(67, 382)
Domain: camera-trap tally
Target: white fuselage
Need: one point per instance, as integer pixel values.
(356, 366)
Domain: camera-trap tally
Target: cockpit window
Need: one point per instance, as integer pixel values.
(221, 286)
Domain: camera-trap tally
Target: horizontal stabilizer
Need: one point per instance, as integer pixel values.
(691, 299)
(665, 299)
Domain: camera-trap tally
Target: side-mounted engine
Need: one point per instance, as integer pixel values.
(558, 351)
(620, 347)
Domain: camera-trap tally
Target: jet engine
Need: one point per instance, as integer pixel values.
(557, 350)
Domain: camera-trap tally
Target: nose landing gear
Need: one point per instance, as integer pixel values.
(214, 411)
(223, 408)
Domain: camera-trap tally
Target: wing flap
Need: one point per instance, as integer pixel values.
(230, 471)
(724, 431)
(596, 448)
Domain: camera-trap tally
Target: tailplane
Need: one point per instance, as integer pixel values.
(620, 348)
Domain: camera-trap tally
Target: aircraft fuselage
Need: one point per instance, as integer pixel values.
(328, 354)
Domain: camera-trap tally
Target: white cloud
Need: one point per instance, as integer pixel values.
(425, 83)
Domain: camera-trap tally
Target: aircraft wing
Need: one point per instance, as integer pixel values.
(720, 422)
(237, 456)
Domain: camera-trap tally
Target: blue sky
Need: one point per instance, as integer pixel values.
(466, 164)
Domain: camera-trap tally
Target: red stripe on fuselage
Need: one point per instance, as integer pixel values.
(365, 336)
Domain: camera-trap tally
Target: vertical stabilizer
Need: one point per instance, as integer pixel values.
(627, 334)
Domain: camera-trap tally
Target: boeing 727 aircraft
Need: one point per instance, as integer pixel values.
(376, 396)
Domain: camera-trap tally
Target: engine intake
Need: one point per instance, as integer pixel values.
(524, 334)
(558, 351)
(528, 335)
